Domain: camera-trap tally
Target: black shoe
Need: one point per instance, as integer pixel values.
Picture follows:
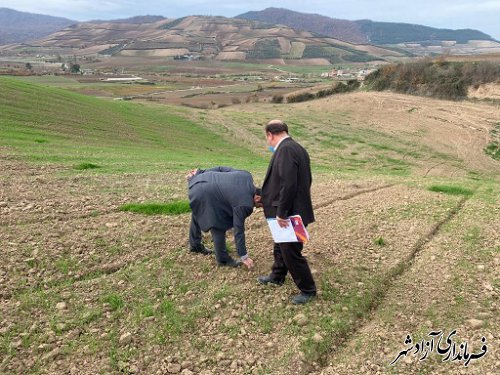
(201, 249)
(268, 280)
(302, 298)
(230, 263)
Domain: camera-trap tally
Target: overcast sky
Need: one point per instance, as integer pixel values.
(483, 15)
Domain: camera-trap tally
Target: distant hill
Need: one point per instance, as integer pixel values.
(393, 33)
(16, 27)
(364, 31)
(134, 20)
(348, 31)
(206, 37)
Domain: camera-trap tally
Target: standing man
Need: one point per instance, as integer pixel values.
(221, 198)
(287, 191)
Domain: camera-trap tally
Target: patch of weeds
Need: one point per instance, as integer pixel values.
(31, 262)
(221, 293)
(171, 208)
(35, 299)
(119, 357)
(493, 150)
(328, 291)
(473, 235)
(185, 287)
(174, 322)
(115, 249)
(85, 166)
(6, 347)
(147, 311)
(380, 241)
(451, 190)
(331, 331)
(65, 265)
(115, 301)
(88, 316)
(39, 140)
(264, 321)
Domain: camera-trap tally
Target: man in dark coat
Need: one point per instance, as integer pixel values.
(221, 198)
(286, 191)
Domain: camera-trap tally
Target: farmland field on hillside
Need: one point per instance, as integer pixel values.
(405, 242)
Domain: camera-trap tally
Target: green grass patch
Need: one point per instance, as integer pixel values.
(114, 300)
(379, 241)
(85, 166)
(171, 208)
(493, 150)
(451, 190)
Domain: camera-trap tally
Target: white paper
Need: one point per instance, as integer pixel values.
(282, 234)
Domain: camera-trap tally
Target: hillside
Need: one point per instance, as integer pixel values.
(206, 37)
(46, 124)
(348, 31)
(393, 33)
(16, 27)
(401, 188)
(417, 39)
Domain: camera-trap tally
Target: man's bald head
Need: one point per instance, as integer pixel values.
(276, 127)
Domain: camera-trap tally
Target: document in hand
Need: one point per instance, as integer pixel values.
(294, 232)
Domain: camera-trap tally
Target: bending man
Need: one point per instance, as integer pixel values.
(221, 198)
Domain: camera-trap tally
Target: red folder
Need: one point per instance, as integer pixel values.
(299, 228)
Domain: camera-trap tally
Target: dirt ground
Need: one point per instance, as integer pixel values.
(68, 253)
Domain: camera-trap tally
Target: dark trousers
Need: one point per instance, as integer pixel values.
(288, 258)
(218, 237)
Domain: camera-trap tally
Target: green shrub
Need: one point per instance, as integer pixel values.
(493, 149)
(277, 99)
(302, 97)
(441, 79)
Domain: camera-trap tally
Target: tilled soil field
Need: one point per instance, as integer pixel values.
(88, 289)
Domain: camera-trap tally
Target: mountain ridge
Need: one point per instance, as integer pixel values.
(18, 27)
(210, 37)
(364, 31)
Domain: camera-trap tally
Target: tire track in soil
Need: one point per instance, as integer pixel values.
(58, 219)
(398, 271)
(351, 195)
(332, 201)
(99, 214)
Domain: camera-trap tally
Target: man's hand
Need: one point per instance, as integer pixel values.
(283, 223)
(257, 201)
(191, 173)
(248, 262)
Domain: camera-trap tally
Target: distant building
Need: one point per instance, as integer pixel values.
(122, 79)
